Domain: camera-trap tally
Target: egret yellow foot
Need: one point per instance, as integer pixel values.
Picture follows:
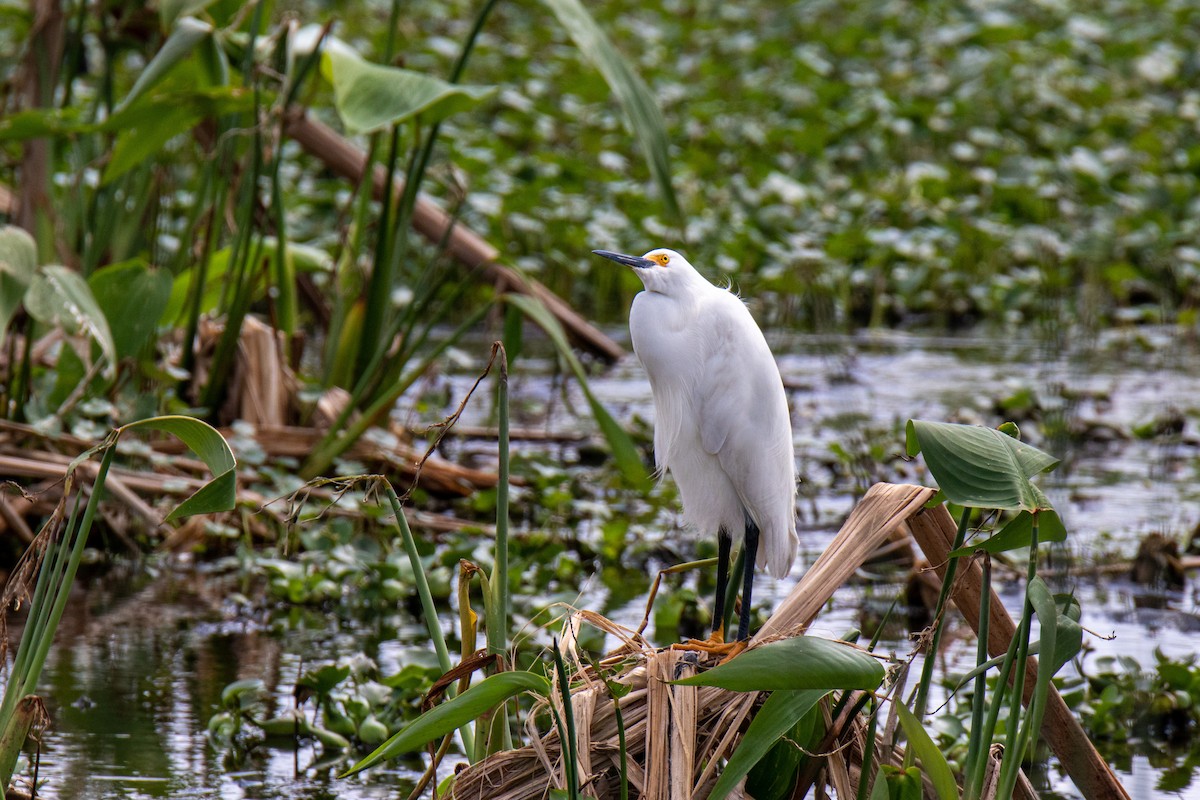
(714, 644)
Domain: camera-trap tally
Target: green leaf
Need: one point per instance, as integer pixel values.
(1063, 634)
(454, 713)
(629, 462)
(18, 261)
(233, 695)
(188, 33)
(932, 760)
(778, 715)
(220, 493)
(980, 467)
(1019, 533)
(171, 10)
(642, 113)
(39, 123)
(774, 776)
(370, 97)
(136, 145)
(802, 662)
(60, 297)
(132, 297)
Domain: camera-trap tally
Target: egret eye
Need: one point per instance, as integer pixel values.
(661, 258)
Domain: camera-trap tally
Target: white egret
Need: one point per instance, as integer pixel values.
(722, 427)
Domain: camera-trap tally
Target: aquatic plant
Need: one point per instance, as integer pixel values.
(51, 561)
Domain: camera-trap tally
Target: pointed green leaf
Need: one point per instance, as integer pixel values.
(454, 713)
(980, 467)
(188, 33)
(1019, 533)
(629, 462)
(778, 715)
(932, 760)
(220, 493)
(18, 260)
(802, 662)
(132, 297)
(642, 113)
(60, 297)
(370, 97)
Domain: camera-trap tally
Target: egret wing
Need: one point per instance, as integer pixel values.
(725, 387)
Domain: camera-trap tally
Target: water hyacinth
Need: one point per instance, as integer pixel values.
(1009, 135)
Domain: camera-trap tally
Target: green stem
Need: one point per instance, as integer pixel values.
(922, 697)
(1014, 754)
(414, 558)
(978, 745)
(569, 751)
(428, 609)
(497, 633)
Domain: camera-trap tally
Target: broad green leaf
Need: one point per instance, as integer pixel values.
(133, 298)
(453, 714)
(980, 467)
(932, 760)
(370, 97)
(188, 33)
(778, 715)
(1019, 533)
(629, 462)
(18, 261)
(136, 145)
(642, 113)
(802, 662)
(60, 297)
(220, 493)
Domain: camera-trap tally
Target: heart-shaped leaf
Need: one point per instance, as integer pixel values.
(18, 260)
(60, 297)
(370, 97)
(980, 467)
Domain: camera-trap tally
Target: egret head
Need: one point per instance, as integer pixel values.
(661, 270)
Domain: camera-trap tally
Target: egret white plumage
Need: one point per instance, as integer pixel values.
(722, 426)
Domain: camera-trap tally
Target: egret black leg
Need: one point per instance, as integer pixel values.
(724, 546)
(751, 549)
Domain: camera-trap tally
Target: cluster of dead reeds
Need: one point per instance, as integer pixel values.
(677, 737)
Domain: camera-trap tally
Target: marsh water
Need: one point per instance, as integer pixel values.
(146, 651)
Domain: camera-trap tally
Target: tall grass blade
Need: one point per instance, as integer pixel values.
(642, 113)
(498, 638)
(570, 741)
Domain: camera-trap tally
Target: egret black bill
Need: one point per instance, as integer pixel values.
(637, 262)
